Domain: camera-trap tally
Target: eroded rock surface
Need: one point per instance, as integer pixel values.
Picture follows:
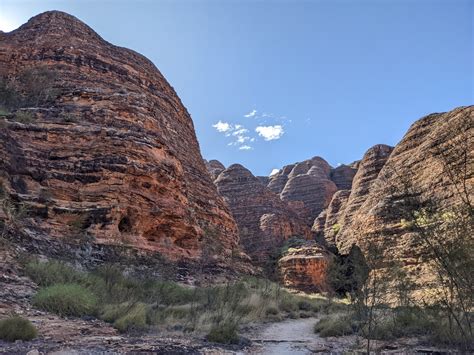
(114, 157)
(341, 217)
(342, 176)
(305, 268)
(308, 183)
(215, 167)
(327, 223)
(369, 215)
(264, 221)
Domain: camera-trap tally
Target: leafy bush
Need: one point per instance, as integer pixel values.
(66, 300)
(334, 325)
(348, 273)
(224, 334)
(17, 328)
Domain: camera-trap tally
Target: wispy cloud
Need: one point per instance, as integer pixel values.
(251, 114)
(238, 133)
(245, 147)
(270, 133)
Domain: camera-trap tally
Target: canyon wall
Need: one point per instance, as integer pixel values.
(113, 155)
(264, 220)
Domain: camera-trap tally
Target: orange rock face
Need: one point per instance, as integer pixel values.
(114, 156)
(305, 268)
(264, 221)
(369, 212)
(309, 185)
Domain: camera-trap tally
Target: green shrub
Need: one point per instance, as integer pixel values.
(68, 117)
(17, 328)
(224, 334)
(52, 272)
(336, 228)
(288, 303)
(304, 305)
(126, 316)
(66, 300)
(335, 325)
(244, 309)
(293, 242)
(4, 111)
(272, 311)
(24, 117)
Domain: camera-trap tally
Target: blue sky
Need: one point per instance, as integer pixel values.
(269, 83)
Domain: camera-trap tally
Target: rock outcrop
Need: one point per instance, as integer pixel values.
(344, 206)
(342, 176)
(264, 221)
(113, 156)
(370, 214)
(215, 167)
(309, 184)
(327, 225)
(305, 268)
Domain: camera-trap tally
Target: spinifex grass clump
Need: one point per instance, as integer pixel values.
(66, 300)
(17, 328)
(133, 304)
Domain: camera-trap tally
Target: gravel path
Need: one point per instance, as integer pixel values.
(295, 336)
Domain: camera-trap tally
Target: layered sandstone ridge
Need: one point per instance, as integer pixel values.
(369, 214)
(310, 185)
(214, 167)
(264, 220)
(340, 215)
(115, 156)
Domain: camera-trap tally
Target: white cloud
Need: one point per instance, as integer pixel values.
(270, 133)
(245, 147)
(251, 114)
(222, 126)
(242, 139)
(274, 171)
(239, 132)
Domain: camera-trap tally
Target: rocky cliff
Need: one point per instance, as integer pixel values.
(310, 185)
(111, 155)
(340, 215)
(214, 167)
(264, 220)
(370, 213)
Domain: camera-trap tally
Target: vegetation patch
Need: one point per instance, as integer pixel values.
(52, 272)
(24, 117)
(134, 304)
(224, 334)
(66, 300)
(126, 316)
(17, 328)
(332, 326)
